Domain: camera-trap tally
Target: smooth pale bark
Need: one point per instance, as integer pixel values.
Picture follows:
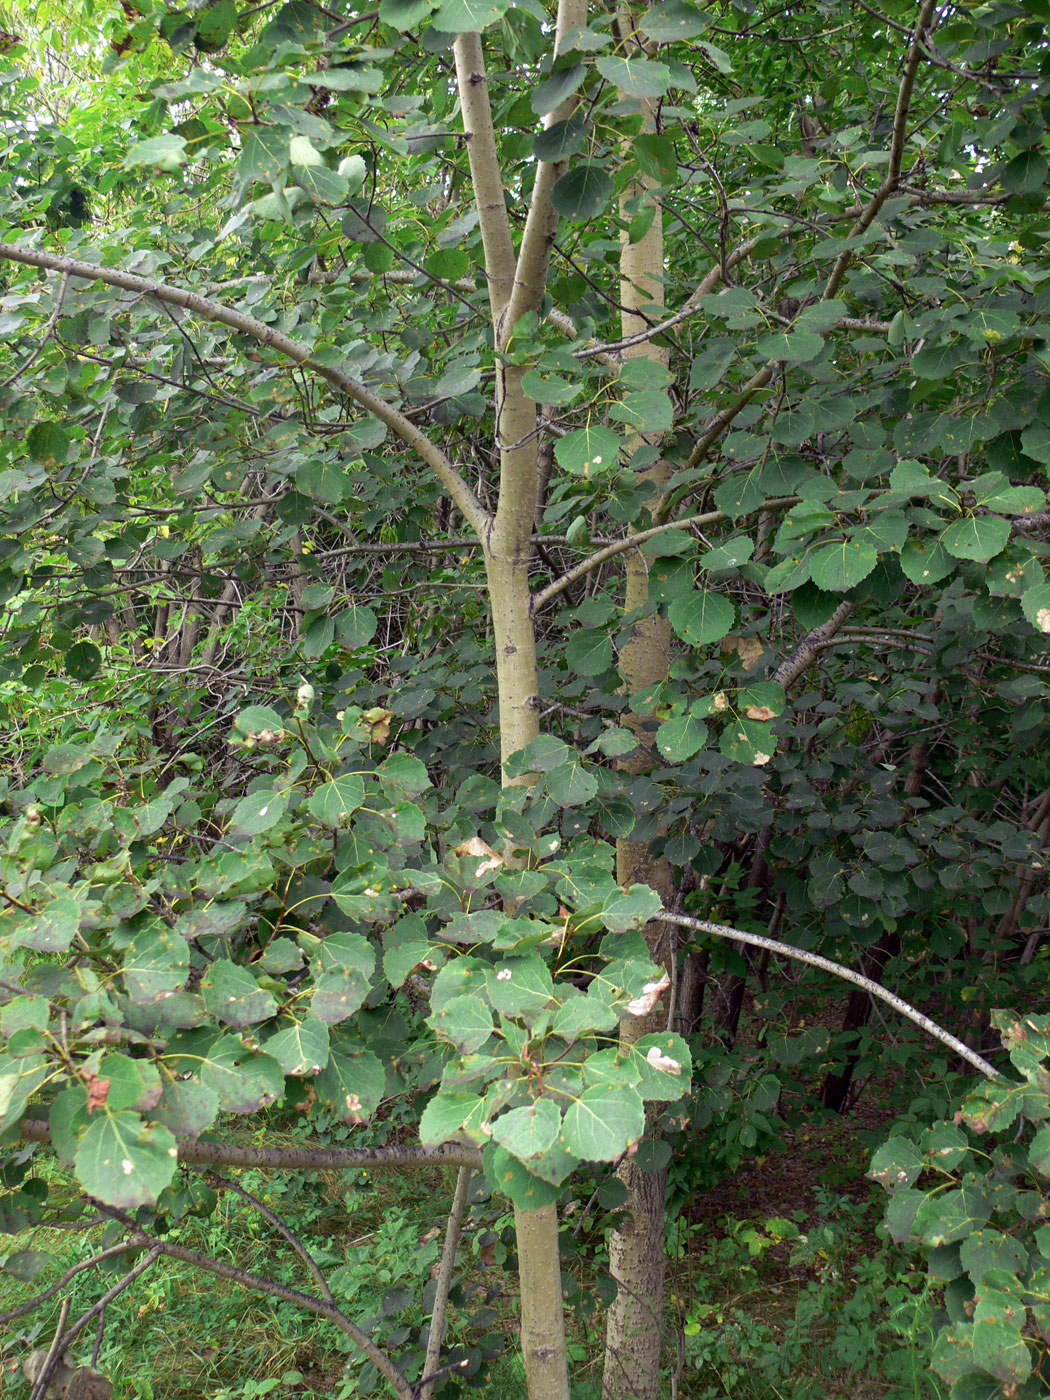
(542, 1311)
(516, 285)
(634, 1326)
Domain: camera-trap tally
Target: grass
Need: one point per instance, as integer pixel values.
(809, 1303)
(783, 1309)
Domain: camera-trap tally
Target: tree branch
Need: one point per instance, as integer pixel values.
(610, 551)
(257, 1284)
(541, 222)
(485, 173)
(875, 989)
(71, 1273)
(446, 472)
(897, 139)
(278, 1224)
(810, 647)
(230, 1154)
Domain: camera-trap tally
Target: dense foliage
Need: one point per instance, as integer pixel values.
(350, 361)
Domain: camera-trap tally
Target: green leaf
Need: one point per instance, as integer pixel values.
(529, 1131)
(356, 625)
(405, 946)
(53, 929)
(603, 1122)
(718, 57)
(680, 739)
(748, 741)
(990, 1249)
(556, 143)
(793, 347)
(332, 803)
(589, 651)
(588, 451)
(156, 963)
(1026, 173)
(187, 1109)
(839, 566)
(1012, 500)
(702, 617)
(582, 193)
(554, 90)
(662, 1065)
(465, 1021)
(134, 1084)
(897, 1164)
(630, 909)
(218, 919)
(521, 987)
(26, 1264)
(83, 660)
(571, 784)
(952, 1357)
(403, 774)
(124, 1162)
(507, 1174)
(649, 411)
(940, 361)
(674, 20)
(926, 562)
(48, 444)
(257, 718)
(214, 24)
(167, 152)
(998, 1346)
(265, 154)
(258, 812)
(582, 1014)
(338, 993)
(19, 1081)
(404, 14)
(978, 537)
(354, 77)
(324, 480)
(444, 1115)
(947, 1218)
(352, 1084)
(463, 16)
(243, 1080)
(549, 388)
(1035, 604)
(232, 995)
(635, 77)
(458, 379)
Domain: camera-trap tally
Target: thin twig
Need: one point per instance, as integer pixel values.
(436, 1334)
(99, 1309)
(55, 1353)
(278, 1224)
(70, 1273)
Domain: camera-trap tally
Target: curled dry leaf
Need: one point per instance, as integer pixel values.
(642, 1004)
(377, 722)
(659, 1060)
(760, 712)
(749, 649)
(480, 850)
(97, 1092)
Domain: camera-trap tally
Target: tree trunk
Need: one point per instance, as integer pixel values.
(634, 1327)
(836, 1087)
